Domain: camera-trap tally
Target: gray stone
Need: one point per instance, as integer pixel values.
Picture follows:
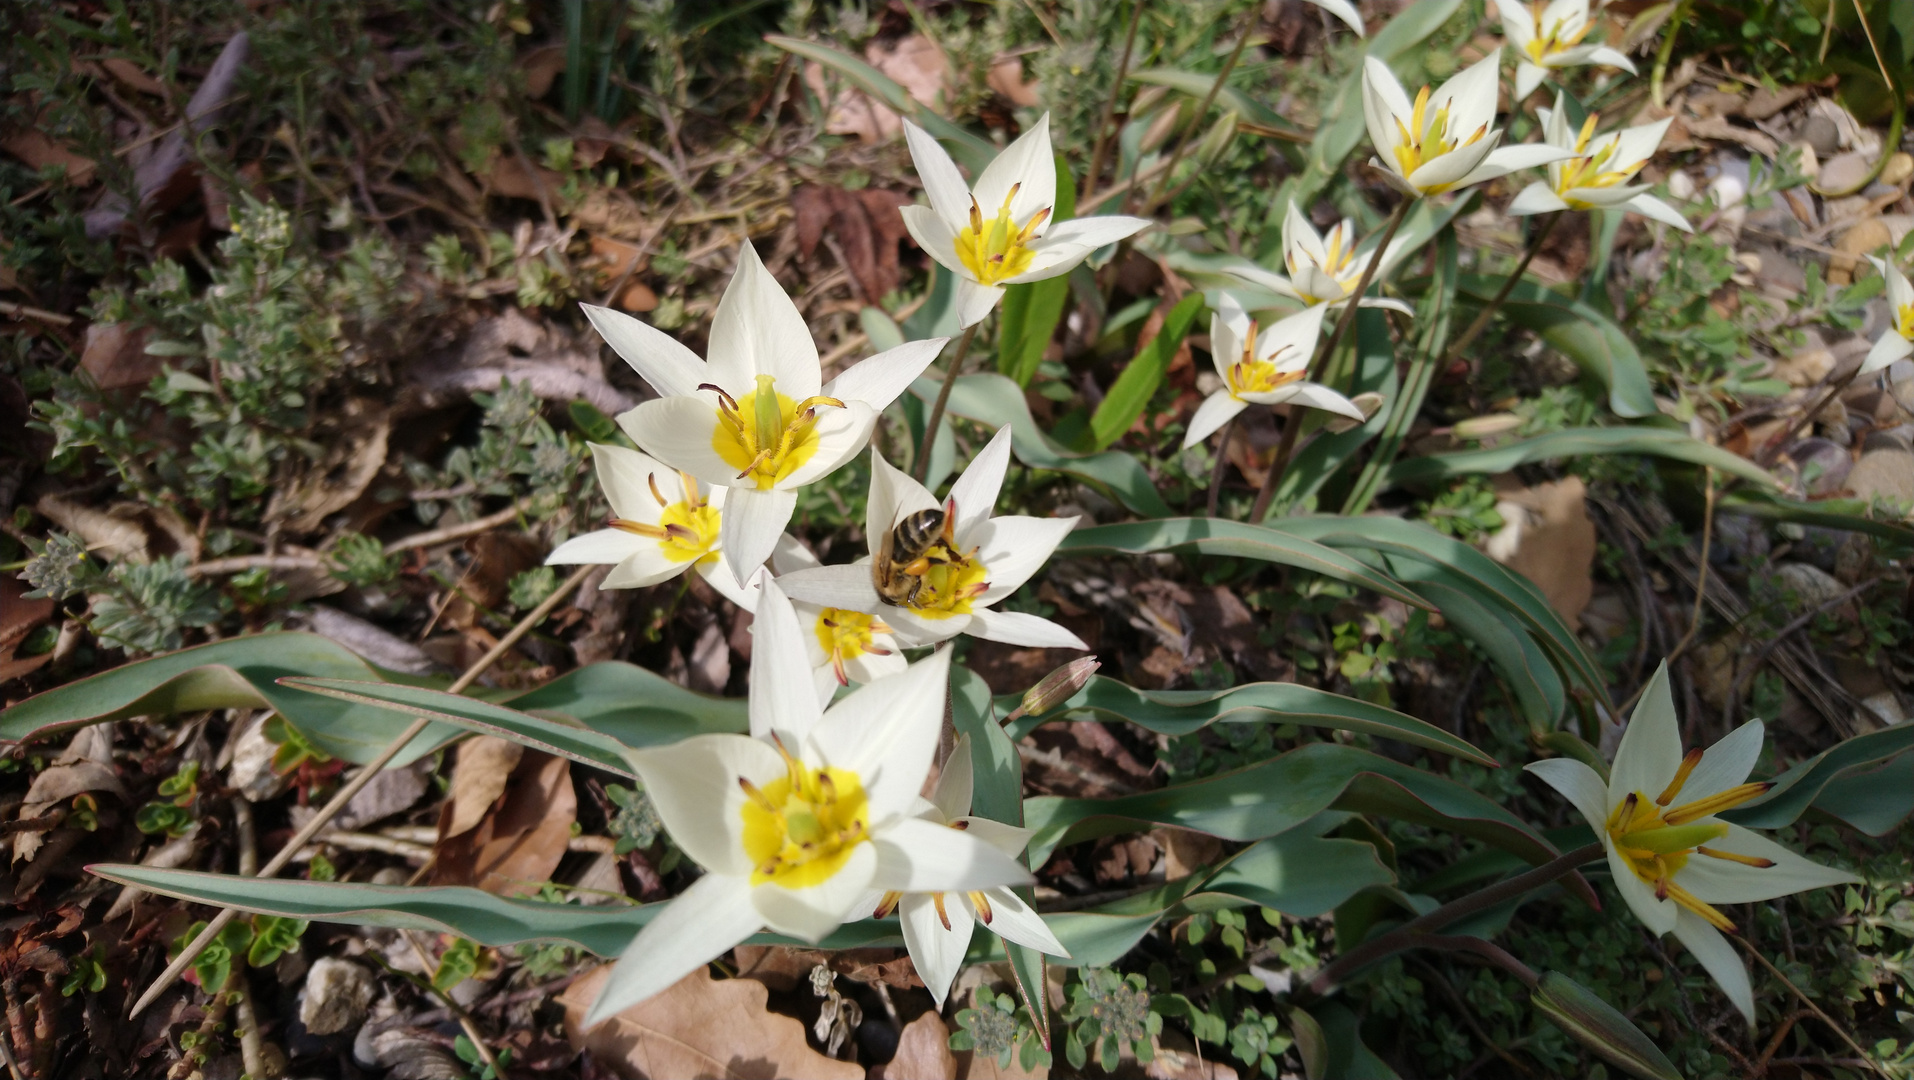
(1820, 133)
(1843, 171)
(337, 995)
(1884, 474)
(1811, 585)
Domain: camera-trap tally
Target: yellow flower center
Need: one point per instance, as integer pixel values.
(998, 249)
(846, 635)
(952, 579)
(1554, 38)
(765, 434)
(1592, 169)
(687, 530)
(1656, 840)
(1338, 261)
(1255, 375)
(1904, 321)
(1427, 137)
(800, 829)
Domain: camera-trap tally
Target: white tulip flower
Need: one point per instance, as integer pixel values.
(1344, 10)
(755, 418)
(1897, 341)
(1442, 140)
(938, 926)
(1019, 243)
(1265, 369)
(1671, 858)
(799, 821)
(1550, 36)
(663, 523)
(1597, 172)
(844, 646)
(978, 560)
(1325, 269)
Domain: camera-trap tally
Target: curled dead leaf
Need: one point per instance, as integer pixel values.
(125, 530)
(115, 356)
(700, 1027)
(865, 226)
(518, 844)
(483, 766)
(355, 451)
(914, 61)
(923, 1053)
(1548, 538)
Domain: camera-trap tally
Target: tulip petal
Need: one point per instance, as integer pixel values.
(1268, 279)
(844, 585)
(1457, 168)
(1527, 77)
(1385, 302)
(1013, 548)
(886, 732)
(677, 431)
(872, 666)
(641, 568)
(1537, 198)
(1900, 292)
(975, 492)
(915, 855)
(938, 239)
(1654, 209)
(936, 953)
(915, 631)
(757, 330)
(1383, 101)
(812, 913)
(1721, 881)
(1291, 341)
(1027, 165)
(1470, 95)
(779, 661)
(602, 546)
(719, 576)
(1651, 745)
(1602, 54)
(656, 356)
(1318, 396)
(1724, 765)
(710, 917)
(893, 497)
(1657, 915)
(1018, 628)
(753, 520)
(879, 380)
(1009, 839)
(1217, 409)
(1344, 10)
(625, 475)
(1888, 348)
(1014, 920)
(974, 301)
(1579, 784)
(842, 434)
(693, 783)
(1508, 159)
(943, 185)
(1717, 957)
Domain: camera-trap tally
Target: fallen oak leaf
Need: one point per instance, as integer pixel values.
(699, 1027)
(866, 225)
(483, 766)
(923, 1053)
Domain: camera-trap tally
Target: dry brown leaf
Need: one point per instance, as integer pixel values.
(914, 61)
(512, 346)
(38, 150)
(18, 615)
(168, 176)
(514, 177)
(782, 967)
(1548, 538)
(923, 1053)
(865, 225)
(115, 356)
(974, 1066)
(125, 530)
(484, 765)
(1178, 1059)
(541, 68)
(1718, 128)
(355, 451)
(515, 847)
(1006, 77)
(699, 1028)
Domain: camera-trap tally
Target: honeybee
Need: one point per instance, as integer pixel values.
(904, 555)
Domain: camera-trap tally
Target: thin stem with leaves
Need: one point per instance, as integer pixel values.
(921, 467)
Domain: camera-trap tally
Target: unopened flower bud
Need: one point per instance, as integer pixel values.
(1058, 687)
(1487, 427)
(1217, 139)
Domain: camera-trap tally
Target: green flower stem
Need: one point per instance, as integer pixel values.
(1481, 322)
(1109, 107)
(1222, 462)
(1196, 125)
(1408, 403)
(359, 781)
(921, 466)
(1293, 426)
(1418, 932)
